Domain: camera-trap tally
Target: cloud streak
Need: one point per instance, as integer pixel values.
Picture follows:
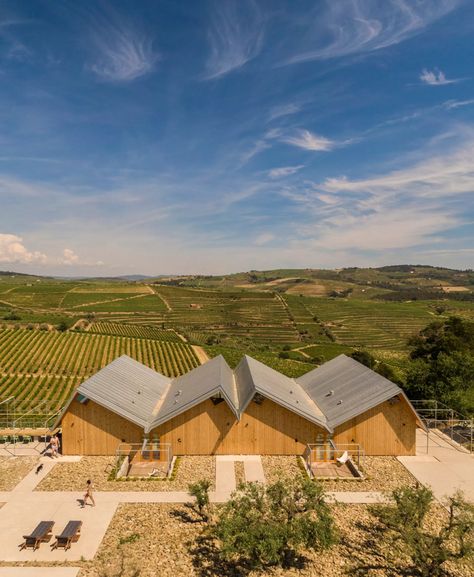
(122, 53)
(284, 171)
(235, 37)
(349, 27)
(405, 208)
(310, 141)
(436, 78)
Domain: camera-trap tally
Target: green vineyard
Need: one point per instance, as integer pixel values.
(134, 331)
(368, 323)
(39, 365)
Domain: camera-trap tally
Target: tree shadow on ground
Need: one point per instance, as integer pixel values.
(208, 562)
(366, 554)
(189, 516)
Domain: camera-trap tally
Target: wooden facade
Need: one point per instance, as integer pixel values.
(90, 429)
(265, 428)
(387, 429)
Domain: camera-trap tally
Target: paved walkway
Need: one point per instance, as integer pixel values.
(39, 571)
(225, 471)
(441, 465)
(24, 508)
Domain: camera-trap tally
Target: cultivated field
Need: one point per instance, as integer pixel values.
(37, 365)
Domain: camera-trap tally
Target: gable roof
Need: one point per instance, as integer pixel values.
(327, 396)
(127, 388)
(344, 388)
(253, 377)
(212, 378)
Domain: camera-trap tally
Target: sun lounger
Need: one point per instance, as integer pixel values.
(70, 534)
(42, 533)
(343, 458)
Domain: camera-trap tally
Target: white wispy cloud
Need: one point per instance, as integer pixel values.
(410, 207)
(452, 104)
(442, 175)
(13, 250)
(122, 53)
(264, 238)
(283, 110)
(310, 141)
(260, 145)
(235, 37)
(436, 78)
(352, 26)
(284, 171)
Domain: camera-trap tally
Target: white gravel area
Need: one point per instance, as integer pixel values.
(73, 476)
(380, 474)
(14, 469)
(155, 539)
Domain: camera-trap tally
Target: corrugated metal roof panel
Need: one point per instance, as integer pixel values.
(127, 388)
(344, 388)
(252, 374)
(186, 391)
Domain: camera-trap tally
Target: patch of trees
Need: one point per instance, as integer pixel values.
(12, 316)
(341, 293)
(419, 293)
(442, 364)
(264, 526)
(409, 543)
(379, 367)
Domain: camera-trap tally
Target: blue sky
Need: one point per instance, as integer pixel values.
(215, 136)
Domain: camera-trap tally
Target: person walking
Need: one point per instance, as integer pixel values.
(89, 493)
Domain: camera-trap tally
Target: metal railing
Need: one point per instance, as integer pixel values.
(437, 415)
(328, 451)
(157, 455)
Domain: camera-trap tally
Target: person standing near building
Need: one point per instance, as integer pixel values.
(54, 446)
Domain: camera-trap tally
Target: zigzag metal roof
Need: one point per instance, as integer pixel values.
(255, 377)
(127, 388)
(212, 378)
(327, 396)
(344, 388)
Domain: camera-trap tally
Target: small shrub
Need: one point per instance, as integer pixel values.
(129, 538)
(265, 525)
(200, 491)
(413, 537)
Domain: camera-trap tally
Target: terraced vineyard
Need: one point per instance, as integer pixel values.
(134, 331)
(259, 316)
(37, 365)
(382, 325)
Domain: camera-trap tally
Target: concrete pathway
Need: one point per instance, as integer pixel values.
(39, 571)
(20, 516)
(441, 465)
(225, 471)
(225, 475)
(253, 469)
(24, 507)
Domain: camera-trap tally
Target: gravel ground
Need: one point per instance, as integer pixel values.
(239, 472)
(164, 540)
(73, 476)
(381, 474)
(13, 469)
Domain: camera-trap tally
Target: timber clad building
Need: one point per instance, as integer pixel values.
(213, 410)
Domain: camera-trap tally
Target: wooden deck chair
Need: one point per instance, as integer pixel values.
(343, 458)
(42, 533)
(70, 534)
